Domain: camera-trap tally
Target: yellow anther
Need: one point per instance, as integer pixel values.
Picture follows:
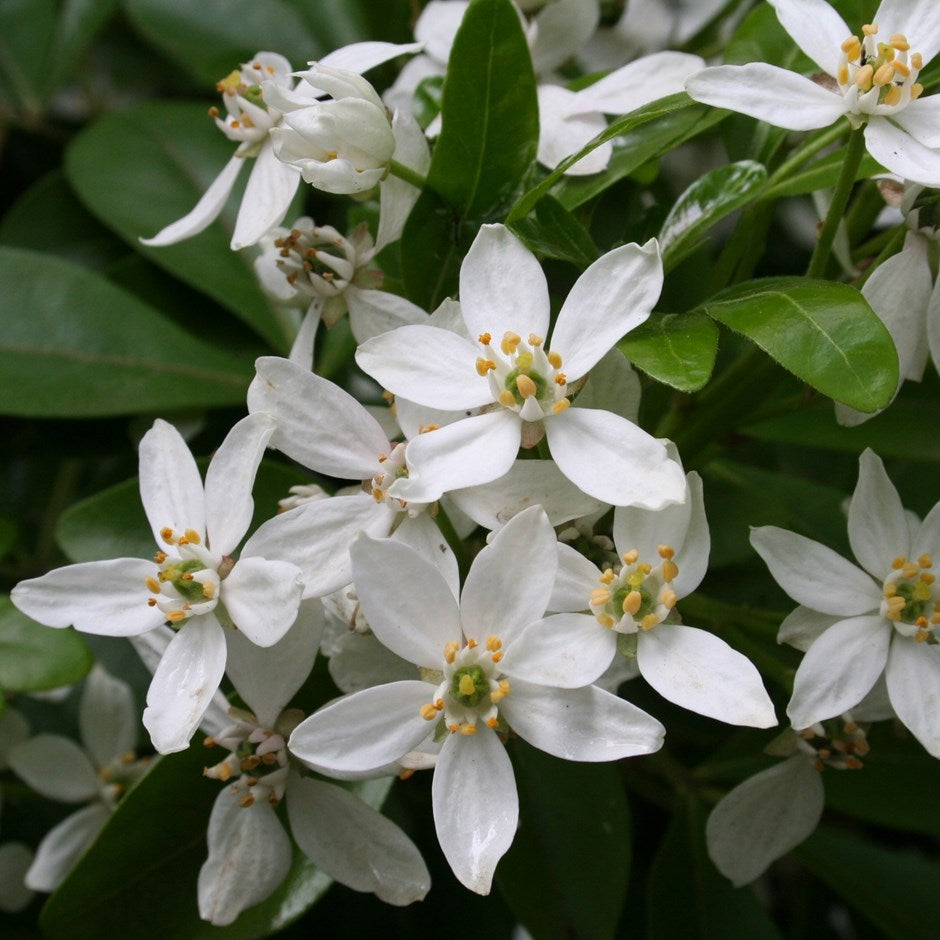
(250, 762)
(607, 577)
(599, 597)
(870, 29)
(466, 686)
(527, 388)
(649, 621)
(378, 494)
(485, 365)
(497, 656)
(670, 570)
(507, 398)
(605, 620)
(635, 579)
(450, 651)
(467, 729)
(893, 95)
(160, 558)
(895, 603)
(493, 643)
(471, 644)
(922, 591)
(934, 619)
(524, 360)
(166, 533)
(453, 728)
(426, 428)
(535, 339)
(208, 590)
(631, 556)
(916, 90)
(554, 360)
(492, 722)
(909, 571)
(236, 124)
(863, 77)
(884, 75)
(175, 616)
(246, 801)
(632, 602)
(230, 83)
(925, 561)
(151, 602)
(428, 712)
(890, 589)
(899, 562)
(666, 551)
(899, 41)
(917, 61)
(562, 405)
(851, 45)
(187, 576)
(485, 339)
(901, 68)
(500, 692)
(509, 343)
(842, 76)
(669, 598)
(153, 584)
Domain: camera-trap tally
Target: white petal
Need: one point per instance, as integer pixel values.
(170, 485)
(567, 651)
(249, 856)
(562, 134)
(362, 56)
(229, 480)
(427, 365)
(316, 537)
(815, 575)
(397, 197)
(803, 626)
(271, 187)
(318, 424)
(184, 683)
(373, 312)
(614, 295)
(107, 717)
(763, 818)
(267, 679)
(476, 806)
(422, 534)
(561, 29)
(926, 539)
(816, 28)
(55, 767)
(405, 599)
(359, 661)
(63, 846)
(586, 724)
(921, 118)
(103, 597)
(366, 730)
(913, 676)
(878, 531)
(437, 25)
(205, 212)
(896, 150)
(353, 843)
(918, 19)
(612, 459)
(699, 671)
(768, 93)
(577, 577)
(613, 385)
(301, 350)
(262, 597)
(502, 287)
(15, 860)
(451, 457)
(839, 669)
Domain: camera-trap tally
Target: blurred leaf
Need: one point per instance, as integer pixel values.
(72, 344)
(676, 349)
(824, 333)
(78, 23)
(26, 29)
(556, 233)
(8, 536)
(708, 199)
(145, 167)
(895, 890)
(432, 245)
(688, 898)
(34, 657)
(489, 110)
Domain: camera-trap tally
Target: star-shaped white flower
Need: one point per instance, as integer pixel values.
(193, 583)
(514, 389)
(870, 78)
(487, 661)
(880, 618)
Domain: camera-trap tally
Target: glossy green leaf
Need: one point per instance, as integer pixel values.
(140, 169)
(78, 23)
(824, 333)
(708, 199)
(688, 898)
(894, 889)
(675, 349)
(34, 657)
(489, 111)
(573, 843)
(432, 246)
(72, 344)
(26, 28)
(822, 174)
(555, 233)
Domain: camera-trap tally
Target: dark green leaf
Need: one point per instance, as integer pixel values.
(489, 110)
(72, 344)
(33, 657)
(145, 167)
(567, 870)
(556, 233)
(708, 199)
(432, 245)
(78, 24)
(676, 349)
(822, 174)
(824, 333)
(26, 27)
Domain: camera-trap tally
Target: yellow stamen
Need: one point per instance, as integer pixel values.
(669, 598)
(649, 621)
(925, 561)
(666, 551)
(916, 90)
(670, 570)
(917, 61)
(492, 722)
(208, 590)
(175, 616)
(563, 405)
(450, 651)
(535, 340)
(607, 577)
(863, 77)
(485, 339)
(561, 378)
(166, 533)
(899, 562)
(428, 712)
(600, 597)
(605, 620)
(632, 602)
(631, 556)
(153, 585)
(484, 365)
(507, 398)
(884, 75)
(842, 77)
(467, 729)
(870, 29)
(425, 428)
(527, 388)
(493, 643)
(498, 694)
(899, 41)
(509, 343)
(554, 360)
(901, 68)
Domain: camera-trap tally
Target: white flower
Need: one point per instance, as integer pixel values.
(882, 616)
(662, 557)
(193, 583)
(59, 769)
(871, 79)
(513, 390)
(489, 661)
(249, 850)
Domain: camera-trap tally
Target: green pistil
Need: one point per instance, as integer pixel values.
(537, 379)
(915, 602)
(647, 603)
(253, 94)
(469, 686)
(188, 587)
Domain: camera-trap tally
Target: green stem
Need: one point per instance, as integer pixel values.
(407, 174)
(854, 150)
(779, 178)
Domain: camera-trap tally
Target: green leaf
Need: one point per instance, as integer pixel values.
(676, 349)
(25, 30)
(556, 233)
(824, 333)
(432, 245)
(821, 174)
(72, 344)
(567, 870)
(708, 199)
(78, 24)
(489, 110)
(688, 898)
(142, 869)
(895, 890)
(145, 167)
(34, 657)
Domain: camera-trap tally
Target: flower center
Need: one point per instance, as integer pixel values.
(187, 583)
(472, 687)
(832, 747)
(523, 376)
(248, 118)
(911, 598)
(637, 597)
(316, 259)
(874, 76)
